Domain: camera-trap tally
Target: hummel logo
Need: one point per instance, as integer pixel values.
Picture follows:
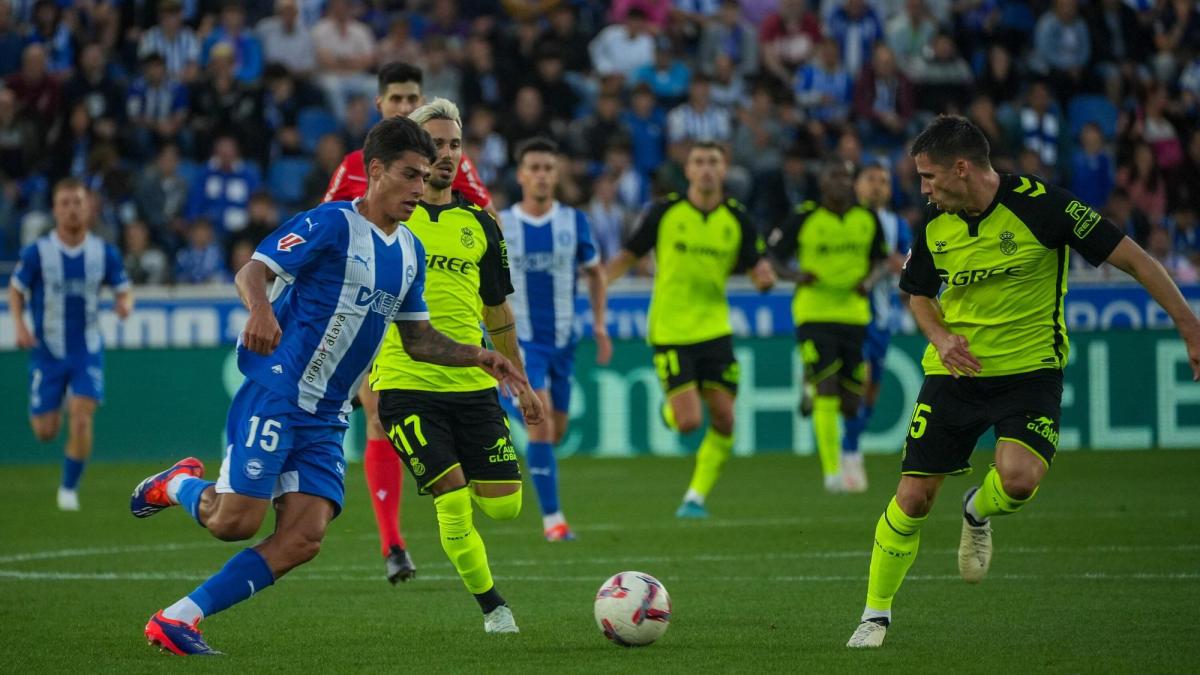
(939, 246)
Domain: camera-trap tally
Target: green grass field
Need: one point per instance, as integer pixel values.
(1101, 573)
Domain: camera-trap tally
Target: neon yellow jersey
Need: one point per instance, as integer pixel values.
(695, 253)
(466, 267)
(839, 250)
(1004, 273)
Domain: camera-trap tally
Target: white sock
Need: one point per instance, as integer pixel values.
(173, 486)
(693, 496)
(185, 610)
(869, 614)
(971, 511)
(552, 520)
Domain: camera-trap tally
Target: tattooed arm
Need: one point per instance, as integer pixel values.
(423, 342)
(502, 329)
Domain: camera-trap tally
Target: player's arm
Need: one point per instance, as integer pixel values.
(16, 309)
(783, 244)
(115, 276)
(921, 281)
(878, 258)
(28, 272)
(425, 343)
(643, 238)
(752, 257)
(588, 258)
(1131, 259)
(262, 333)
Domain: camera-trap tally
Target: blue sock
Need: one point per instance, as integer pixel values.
(72, 470)
(189, 496)
(244, 575)
(854, 428)
(544, 472)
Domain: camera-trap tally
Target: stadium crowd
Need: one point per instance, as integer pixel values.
(199, 125)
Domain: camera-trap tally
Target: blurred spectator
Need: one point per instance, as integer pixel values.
(1092, 170)
(732, 36)
(1179, 267)
(161, 196)
(564, 34)
(20, 142)
(399, 44)
(788, 39)
(330, 151)
(698, 119)
(646, 124)
(286, 41)
(69, 154)
(240, 254)
(560, 98)
(443, 21)
(359, 119)
(850, 149)
(1187, 176)
(983, 113)
(481, 84)
(1176, 27)
(632, 188)
(942, 78)
(777, 192)
(1041, 124)
(1128, 218)
(201, 261)
(516, 53)
(145, 263)
(1185, 235)
(608, 218)
(442, 78)
(38, 93)
(657, 13)
(824, 89)
(221, 192)
(528, 118)
(174, 41)
(157, 107)
(1120, 41)
(54, 35)
(620, 49)
(1062, 47)
(492, 157)
(247, 50)
(856, 27)
(1189, 86)
(668, 75)
(11, 41)
(100, 93)
(345, 52)
(1144, 181)
(909, 32)
(1000, 80)
(591, 135)
(1029, 162)
(728, 88)
(284, 97)
(222, 105)
(762, 134)
(1154, 127)
(264, 219)
(883, 100)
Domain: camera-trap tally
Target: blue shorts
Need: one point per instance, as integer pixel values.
(550, 367)
(49, 379)
(875, 350)
(276, 448)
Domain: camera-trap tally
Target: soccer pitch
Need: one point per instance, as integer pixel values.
(1100, 573)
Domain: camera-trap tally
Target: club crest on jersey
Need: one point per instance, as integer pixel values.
(468, 238)
(410, 273)
(1007, 245)
(289, 241)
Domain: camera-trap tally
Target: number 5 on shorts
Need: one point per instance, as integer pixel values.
(919, 421)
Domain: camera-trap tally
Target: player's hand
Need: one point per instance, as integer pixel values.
(1191, 339)
(511, 381)
(25, 339)
(957, 357)
(531, 407)
(806, 279)
(861, 288)
(763, 275)
(261, 334)
(603, 345)
(123, 305)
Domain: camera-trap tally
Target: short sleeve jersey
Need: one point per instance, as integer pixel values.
(341, 283)
(466, 267)
(839, 250)
(63, 284)
(695, 252)
(545, 254)
(1002, 275)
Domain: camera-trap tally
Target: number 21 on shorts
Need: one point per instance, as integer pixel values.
(919, 421)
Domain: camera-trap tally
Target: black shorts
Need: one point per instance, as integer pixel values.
(829, 349)
(951, 415)
(433, 432)
(705, 364)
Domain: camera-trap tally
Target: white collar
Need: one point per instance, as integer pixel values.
(387, 238)
(70, 251)
(538, 221)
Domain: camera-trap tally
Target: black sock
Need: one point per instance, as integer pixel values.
(489, 600)
(881, 620)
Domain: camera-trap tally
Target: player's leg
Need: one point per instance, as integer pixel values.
(1028, 410)
(87, 390)
(385, 482)
(539, 453)
(853, 378)
(944, 429)
(820, 351)
(676, 369)
(717, 370)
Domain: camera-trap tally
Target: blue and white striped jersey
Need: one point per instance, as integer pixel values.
(341, 283)
(544, 255)
(63, 284)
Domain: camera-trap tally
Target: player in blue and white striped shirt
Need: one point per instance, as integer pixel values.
(62, 273)
(548, 243)
(343, 273)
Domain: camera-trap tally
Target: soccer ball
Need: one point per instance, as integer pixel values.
(632, 609)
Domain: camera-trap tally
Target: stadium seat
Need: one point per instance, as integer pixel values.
(313, 123)
(285, 179)
(1091, 108)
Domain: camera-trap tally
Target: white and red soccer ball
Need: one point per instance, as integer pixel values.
(632, 609)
